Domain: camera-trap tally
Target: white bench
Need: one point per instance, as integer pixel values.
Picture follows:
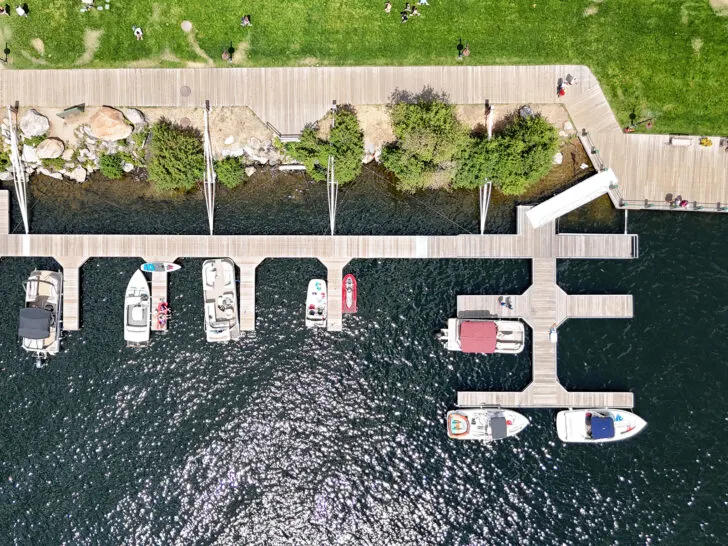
(681, 141)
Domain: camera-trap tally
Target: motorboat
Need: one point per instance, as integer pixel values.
(39, 324)
(597, 425)
(485, 424)
(137, 311)
(222, 320)
(348, 296)
(484, 336)
(159, 267)
(316, 304)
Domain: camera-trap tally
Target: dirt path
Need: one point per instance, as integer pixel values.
(91, 41)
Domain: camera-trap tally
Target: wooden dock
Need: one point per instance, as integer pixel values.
(543, 306)
(71, 251)
(648, 167)
(159, 295)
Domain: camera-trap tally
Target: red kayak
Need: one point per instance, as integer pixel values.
(348, 294)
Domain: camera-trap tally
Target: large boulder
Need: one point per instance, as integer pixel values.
(135, 116)
(78, 174)
(33, 124)
(109, 124)
(29, 155)
(50, 148)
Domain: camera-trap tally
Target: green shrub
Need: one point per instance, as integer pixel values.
(33, 141)
(345, 143)
(55, 163)
(230, 172)
(312, 152)
(516, 158)
(111, 166)
(140, 138)
(429, 138)
(177, 160)
(4, 159)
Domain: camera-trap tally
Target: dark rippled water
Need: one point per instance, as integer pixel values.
(293, 436)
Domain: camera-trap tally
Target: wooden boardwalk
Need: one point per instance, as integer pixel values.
(543, 306)
(648, 167)
(159, 295)
(71, 251)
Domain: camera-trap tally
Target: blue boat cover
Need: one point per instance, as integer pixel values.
(602, 427)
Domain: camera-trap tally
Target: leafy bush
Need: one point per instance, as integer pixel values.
(230, 172)
(345, 143)
(177, 160)
(111, 166)
(4, 159)
(33, 141)
(140, 138)
(429, 138)
(516, 158)
(55, 163)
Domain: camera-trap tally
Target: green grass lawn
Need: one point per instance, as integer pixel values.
(662, 58)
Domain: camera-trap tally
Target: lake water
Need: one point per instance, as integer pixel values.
(292, 436)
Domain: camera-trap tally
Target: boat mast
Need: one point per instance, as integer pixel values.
(484, 192)
(19, 178)
(332, 185)
(210, 177)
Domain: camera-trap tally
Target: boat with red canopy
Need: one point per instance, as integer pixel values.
(484, 336)
(348, 294)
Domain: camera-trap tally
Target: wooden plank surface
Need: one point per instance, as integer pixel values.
(247, 292)
(71, 298)
(159, 294)
(290, 97)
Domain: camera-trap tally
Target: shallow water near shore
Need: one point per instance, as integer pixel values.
(292, 436)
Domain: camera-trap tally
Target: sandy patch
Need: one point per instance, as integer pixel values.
(473, 115)
(720, 7)
(61, 128)
(309, 61)
(241, 53)
(591, 10)
(697, 44)
(237, 122)
(152, 62)
(197, 49)
(38, 45)
(156, 13)
(91, 41)
(32, 59)
(375, 124)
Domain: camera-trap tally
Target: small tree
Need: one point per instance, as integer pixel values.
(429, 137)
(345, 143)
(312, 152)
(230, 172)
(177, 160)
(111, 166)
(516, 158)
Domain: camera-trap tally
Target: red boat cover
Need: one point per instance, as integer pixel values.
(477, 337)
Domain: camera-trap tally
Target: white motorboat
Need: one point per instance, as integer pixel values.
(222, 320)
(316, 304)
(485, 424)
(40, 320)
(484, 336)
(137, 311)
(597, 425)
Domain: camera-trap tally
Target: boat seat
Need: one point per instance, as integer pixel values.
(210, 275)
